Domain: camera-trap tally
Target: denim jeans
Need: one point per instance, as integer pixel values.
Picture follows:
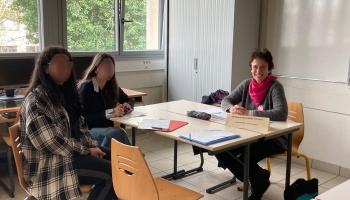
(104, 136)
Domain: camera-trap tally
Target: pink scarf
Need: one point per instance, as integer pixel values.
(257, 91)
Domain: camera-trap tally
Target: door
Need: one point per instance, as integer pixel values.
(182, 47)
(200, 48)
(215, 43)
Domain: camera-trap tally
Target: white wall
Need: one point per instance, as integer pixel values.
(144, 76)
(245, 38)
(310, 41)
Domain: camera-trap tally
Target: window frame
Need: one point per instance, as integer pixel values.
(4, 55)
(160, 32)
(45, 38)
(119, 52)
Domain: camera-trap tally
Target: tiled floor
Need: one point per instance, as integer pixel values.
(159, 155)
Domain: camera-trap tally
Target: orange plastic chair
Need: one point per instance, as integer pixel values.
(132, 179)
(295, 113)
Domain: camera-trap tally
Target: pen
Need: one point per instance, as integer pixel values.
(190, 138)
(157, 128)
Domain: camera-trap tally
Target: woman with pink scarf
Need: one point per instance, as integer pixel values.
(261, 96)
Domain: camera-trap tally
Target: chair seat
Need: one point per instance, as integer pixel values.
(169, 191)
(85, 188)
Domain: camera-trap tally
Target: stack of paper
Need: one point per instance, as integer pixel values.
(208, 137)
(215, 112)
(156, 124)
(134, 113)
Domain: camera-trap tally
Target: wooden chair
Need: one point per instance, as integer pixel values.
(132, 179)
(6, 137)
(17, 154)
(295, 113)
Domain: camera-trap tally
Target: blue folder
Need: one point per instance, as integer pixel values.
(208, 137)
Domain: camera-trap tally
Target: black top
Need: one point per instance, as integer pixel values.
(94, 106)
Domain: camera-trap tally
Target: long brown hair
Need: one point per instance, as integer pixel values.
(111, 89)
(69, 94)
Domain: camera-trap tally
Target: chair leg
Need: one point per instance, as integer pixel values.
(268, 164)
(307, 165)
(9, 189)
(9, 163)
(241, 188)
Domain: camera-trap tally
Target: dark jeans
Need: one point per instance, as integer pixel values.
(97, 172)
(258, 151)
(104, 136)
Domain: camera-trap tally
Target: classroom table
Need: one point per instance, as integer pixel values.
(136, 95)
(246, 137)
(276, 129)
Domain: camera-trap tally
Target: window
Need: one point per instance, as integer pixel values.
(91, 25)
(140, 25)
(19, 29)
(114, 25)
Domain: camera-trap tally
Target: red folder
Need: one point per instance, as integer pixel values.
(174, 125)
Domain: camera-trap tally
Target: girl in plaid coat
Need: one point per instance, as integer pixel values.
(59, 153)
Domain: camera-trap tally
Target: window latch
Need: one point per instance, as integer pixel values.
(124, 20)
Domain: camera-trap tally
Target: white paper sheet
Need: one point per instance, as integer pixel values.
(154, 124)
(134, 113)
(215, 112)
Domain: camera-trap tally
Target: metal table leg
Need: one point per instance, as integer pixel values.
(180, 173)
(289, 159)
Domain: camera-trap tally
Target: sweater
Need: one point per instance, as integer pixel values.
(273, 105)
(94, 109)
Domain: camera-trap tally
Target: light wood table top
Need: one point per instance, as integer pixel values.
(192, 126)
(182, 106)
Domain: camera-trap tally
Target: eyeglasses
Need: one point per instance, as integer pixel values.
(58, 64)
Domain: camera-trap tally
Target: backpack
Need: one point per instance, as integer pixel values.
(302, 189)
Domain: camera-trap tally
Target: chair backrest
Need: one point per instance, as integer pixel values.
(295, 113)
(17, 154)
(132, 179)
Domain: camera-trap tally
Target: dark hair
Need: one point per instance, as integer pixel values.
(264, 54)
(111, 89)
(68, 95)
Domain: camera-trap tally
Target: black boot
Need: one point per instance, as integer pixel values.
(259, 184)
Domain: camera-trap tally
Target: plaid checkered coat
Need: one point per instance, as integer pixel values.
(48, 148)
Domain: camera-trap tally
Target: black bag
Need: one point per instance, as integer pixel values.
(302, 190)
(198, 115)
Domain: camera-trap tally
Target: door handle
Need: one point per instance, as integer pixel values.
(124, 20)
(195, 64)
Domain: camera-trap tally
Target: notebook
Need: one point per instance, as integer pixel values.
(208, 137)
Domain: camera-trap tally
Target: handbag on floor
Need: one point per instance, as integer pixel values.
(302, 189)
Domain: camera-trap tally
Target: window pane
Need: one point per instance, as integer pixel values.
(19, 30)
(90, 25)
(143, 33)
